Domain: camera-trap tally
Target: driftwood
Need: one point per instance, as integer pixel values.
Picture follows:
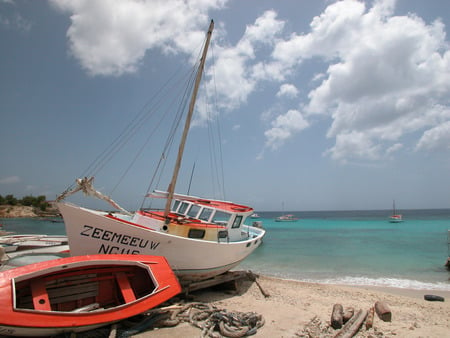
(348, 314)
(337, 316)
(383, 311)
(370, 317)
(352, 327)
(253, 278)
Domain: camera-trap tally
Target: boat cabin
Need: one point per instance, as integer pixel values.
(202, 219)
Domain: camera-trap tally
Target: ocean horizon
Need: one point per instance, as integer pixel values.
(358, 248)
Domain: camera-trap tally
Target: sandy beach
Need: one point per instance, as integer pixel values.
(298, 309)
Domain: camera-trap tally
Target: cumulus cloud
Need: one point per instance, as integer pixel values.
(283, 127)
(388, 76)
(287, 90)
(10, 180)
(235, 65)
(354, 146)
(435, 138)
(111, 38)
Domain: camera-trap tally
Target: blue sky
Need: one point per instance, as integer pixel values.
(323, 105)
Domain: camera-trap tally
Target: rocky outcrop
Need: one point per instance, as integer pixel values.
(13, 211)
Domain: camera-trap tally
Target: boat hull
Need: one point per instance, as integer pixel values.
(395, 219)
(41, 299)
(93, 232)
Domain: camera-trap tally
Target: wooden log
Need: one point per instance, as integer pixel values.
(353, 325)
(337, 315)
(383, 311)
(370, 317)
(348, 314)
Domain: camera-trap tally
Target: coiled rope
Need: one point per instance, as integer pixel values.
(212, 321)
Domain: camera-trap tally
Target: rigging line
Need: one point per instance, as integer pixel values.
(138, 124)
(212, 153)
(141, 149)
(221, 177)
(171, 136)
(162, 161)
(190, 180)
(172, 132)
(157, 175)
(104, 156)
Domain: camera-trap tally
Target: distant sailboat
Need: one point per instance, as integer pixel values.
(286, 218)
(395, 218)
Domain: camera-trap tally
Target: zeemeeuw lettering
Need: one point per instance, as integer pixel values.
(132, 244)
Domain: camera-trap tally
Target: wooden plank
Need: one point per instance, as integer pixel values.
(40, 295)
(220, 279)
(69, 280)
(125, 287)
(71, 293)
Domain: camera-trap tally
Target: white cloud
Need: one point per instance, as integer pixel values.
(287, 90)
(111, 38)
(234, 64)
(388, 76)
(233, 67)
(435, 138)
(396, 147)
(283, 127)
(10, 180)
(353, 146)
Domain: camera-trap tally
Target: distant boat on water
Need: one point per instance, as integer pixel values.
(286, 218)
(395, 218)
(255, 215)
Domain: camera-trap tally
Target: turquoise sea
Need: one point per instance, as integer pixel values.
(339, 247)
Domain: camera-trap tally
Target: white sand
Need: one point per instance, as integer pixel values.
(292, 305)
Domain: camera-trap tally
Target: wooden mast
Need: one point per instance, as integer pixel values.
(187, 124)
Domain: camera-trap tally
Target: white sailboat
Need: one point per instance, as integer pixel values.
(395, 217)
(199, 237)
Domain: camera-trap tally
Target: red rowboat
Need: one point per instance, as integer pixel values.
(80, 293)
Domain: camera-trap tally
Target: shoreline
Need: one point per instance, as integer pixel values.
(295, 308)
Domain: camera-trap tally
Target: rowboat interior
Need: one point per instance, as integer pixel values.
(86, 289)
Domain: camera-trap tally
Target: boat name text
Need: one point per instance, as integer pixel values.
(114, 237)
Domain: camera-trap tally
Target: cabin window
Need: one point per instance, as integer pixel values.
(176, 204)
(222, 234)
(237, 222)
(196, 233)
(183, 208)
(193, 211)
(205, 214)
(221, 217)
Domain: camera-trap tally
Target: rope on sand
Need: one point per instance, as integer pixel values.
(212, 321)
